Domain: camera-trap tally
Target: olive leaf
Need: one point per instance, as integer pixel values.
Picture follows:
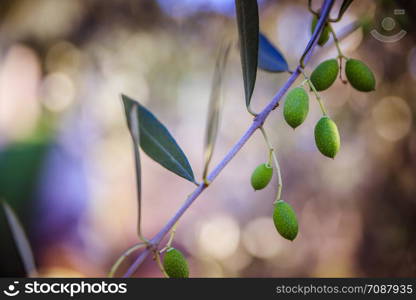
(132, 118)
(270, 59)
(248, 30)
(157, 142)
(215, 104)
(21, 240)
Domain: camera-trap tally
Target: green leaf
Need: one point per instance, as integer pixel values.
(248, 30)
(215, 105)
(132, 118)
(270, 59)
(21, 240)
(157, 142)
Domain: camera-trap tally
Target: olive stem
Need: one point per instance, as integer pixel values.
(311, 9)
(171, 237)
(341, 55)
(272, 154)
(122, 257)
(340, 58)
(270, 162)
(257, 123)
(251, 112)
(303, 82)
(317, 96)
(160, 265)
(336, 42)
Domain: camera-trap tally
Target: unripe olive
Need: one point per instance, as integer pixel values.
(175, 264)
(285, 221)
(261, 176)
(360, 76)
(325, 74)
(327, 137)
(324, 34)
(296, 107)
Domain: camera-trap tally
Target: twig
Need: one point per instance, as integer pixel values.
(336, 42)
(311, 9)
(257, 123)
(160, 265)
(317, 96)
(123, 257)
(272, 157)
(171, 237)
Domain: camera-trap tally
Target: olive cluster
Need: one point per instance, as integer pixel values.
(296, 105)
(295, 111)
(284, 217)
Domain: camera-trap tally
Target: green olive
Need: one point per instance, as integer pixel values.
(296, 107)
(327, 137)
(261, 176)
(175, 264)
(285, 220)
(360, 76)
(325, 74)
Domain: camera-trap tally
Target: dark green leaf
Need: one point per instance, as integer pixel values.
(132, 117)
(270, 59)
(21, 240)
(215, 105)
(248, 30)
(157, 142)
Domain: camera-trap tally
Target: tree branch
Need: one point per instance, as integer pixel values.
(257, 123)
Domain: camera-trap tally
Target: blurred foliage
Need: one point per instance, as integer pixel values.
(20, 170)
(20, 166)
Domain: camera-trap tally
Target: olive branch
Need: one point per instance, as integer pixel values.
(152, 245)
(155, 140)
(256, 52)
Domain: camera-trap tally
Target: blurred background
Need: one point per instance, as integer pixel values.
(66, 161)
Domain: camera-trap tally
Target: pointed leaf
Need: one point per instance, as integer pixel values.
(132, 118)
(215, 105)
(158, 143)
(21, 240)
(248, 30)
(270, 59)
